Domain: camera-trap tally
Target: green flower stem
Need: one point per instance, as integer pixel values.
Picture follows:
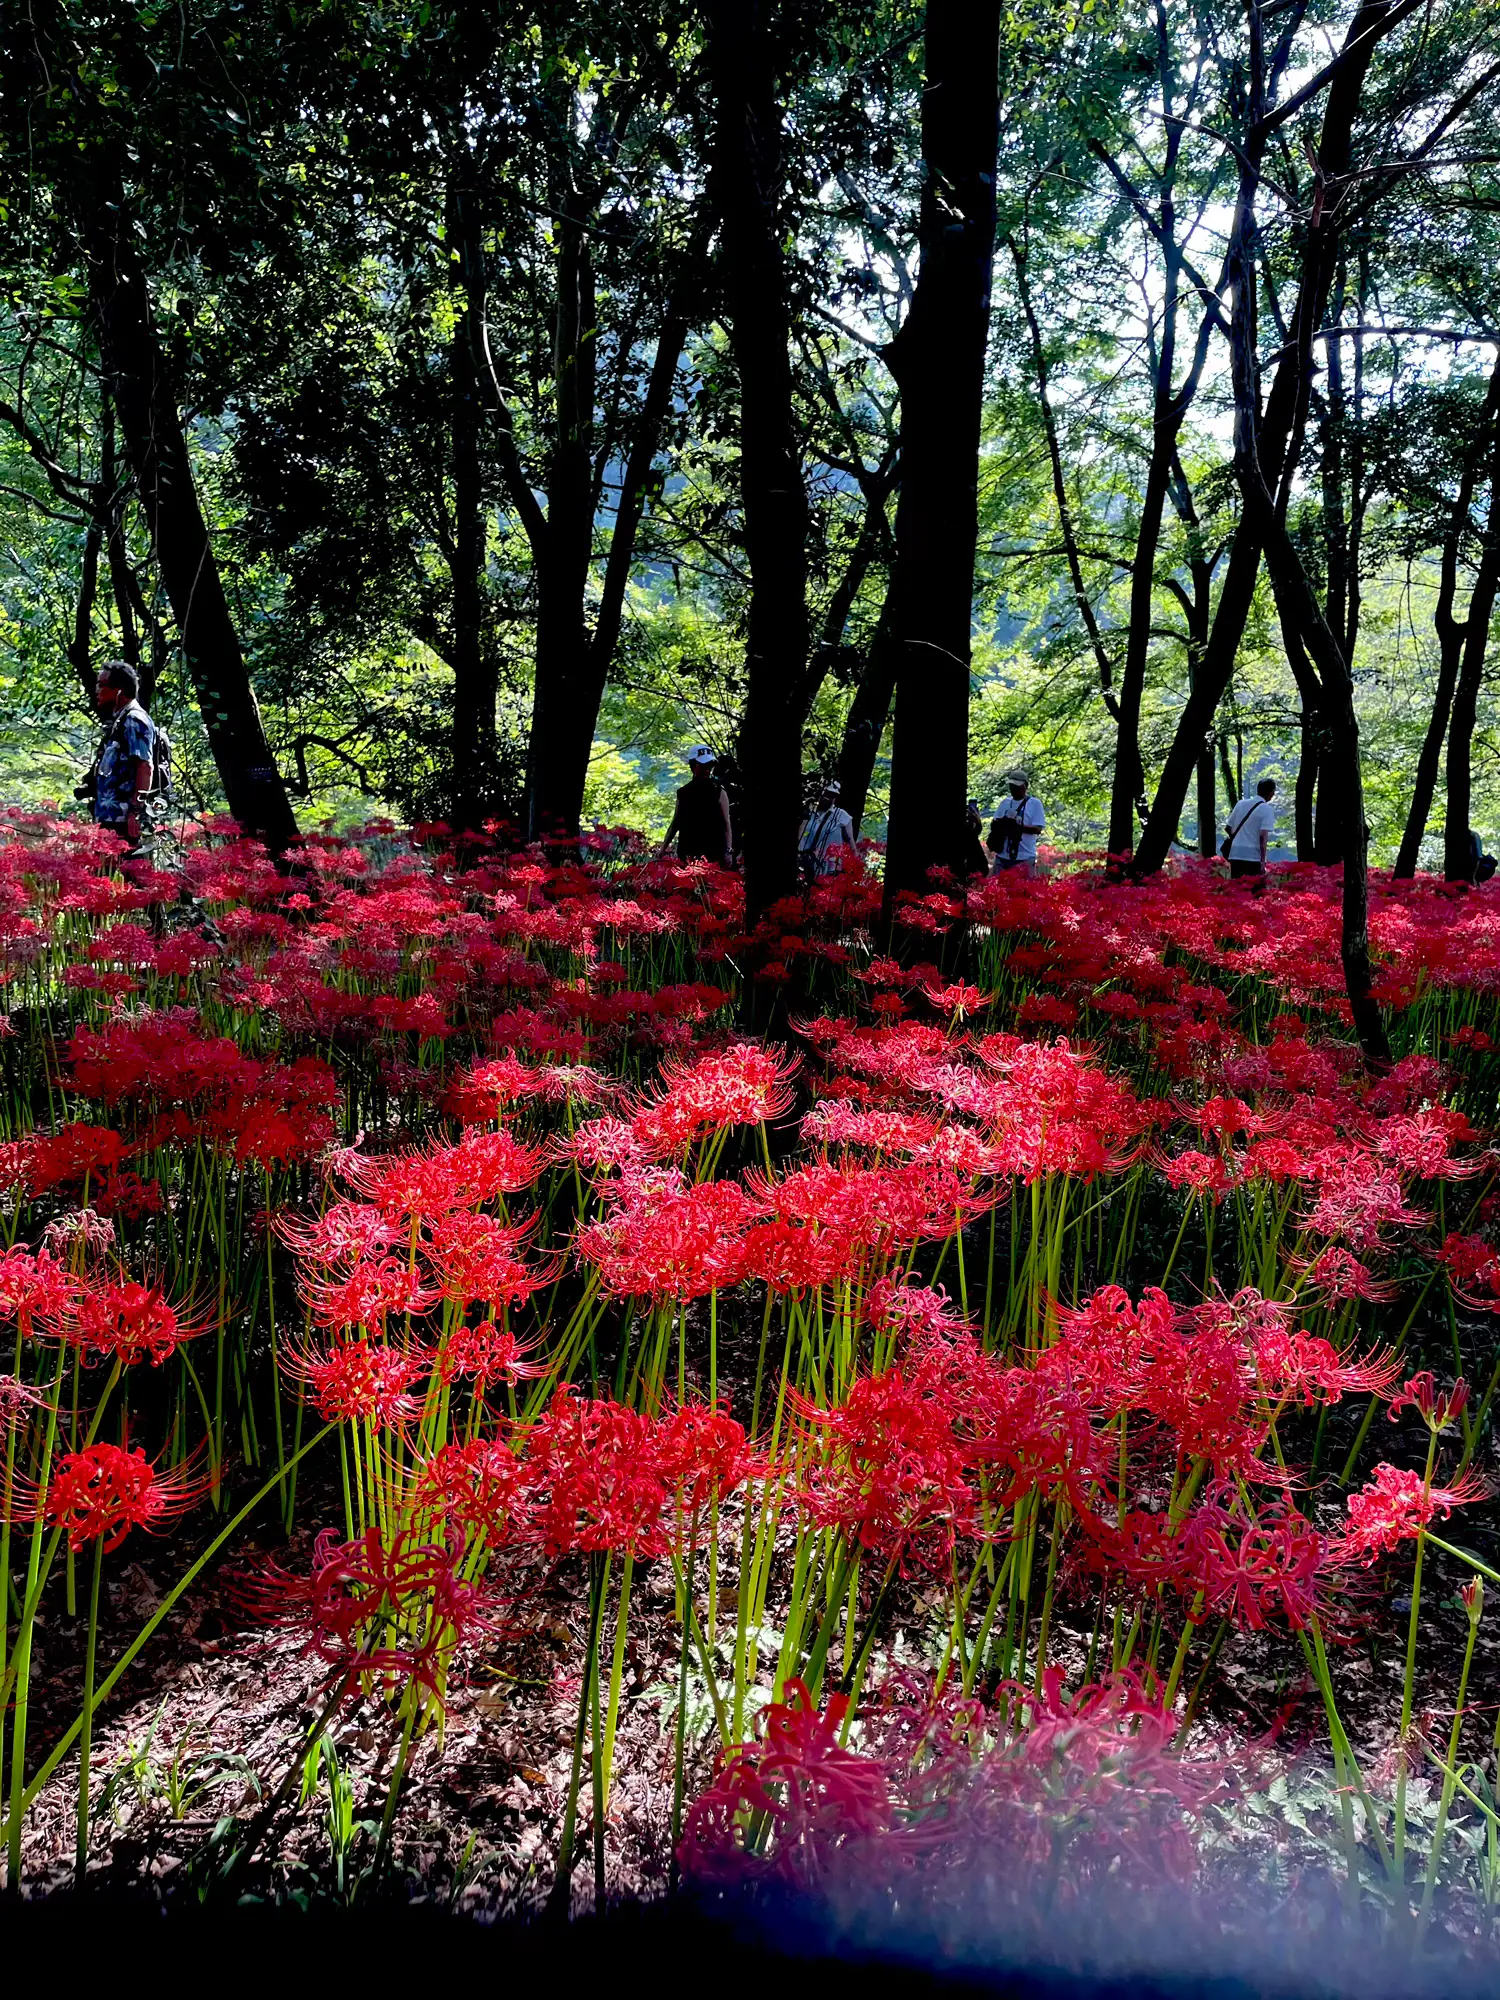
(82, 1859)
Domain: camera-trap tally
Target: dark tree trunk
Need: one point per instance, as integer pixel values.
(562, 574)
(1305, 789)
(938, 362)
(1458, 865)
(1450, 635)
(564, 718)
(1281, 427)
(151, 426)
(123, 587)
(1129, 775)
(868, 714)
(1298, 606)
(474, 673)
(746, 189)
(80, 645)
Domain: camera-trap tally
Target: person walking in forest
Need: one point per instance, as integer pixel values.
(1017, 821)
(123, 775)
(826, 834)
(1248, 833)
(700, 819)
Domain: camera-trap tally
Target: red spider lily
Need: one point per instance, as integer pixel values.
(474, 1257)
(795, 1257)
(1256, 1570)
(1420, 1143)
(921, 1312)
(1395, 1506)
(1105, 1346)
(824, 1795)
(425, 1186)
(374, 1607)
(1436, 1410)
(596, 1479)
(1473, 1268)
(1298, 1366)
(480, 1487)
(886, 1207)
(1252, 1567)
(1357, 1198)
(346, 1232)
(488, 1353)
(71, 1155)
(663, 1241)
(17, 1400)
(161, 1057)
(103, 1491)
(744, 1085)
(1197, 1389)
(369, 1294)
(895, 1472)
(37, 1292)
(128, 1322)
(1198, 1173)
(703, 1454)
(1337, 1275)
(1087, 1792)
(358, 1381)
(1034, 1431)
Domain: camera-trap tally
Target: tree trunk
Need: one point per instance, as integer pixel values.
(1458, 865)
(563, 573)
(1305, 789)
(868, 714)
(562, 730)
(1450, 635)
(1129, 775)
(746, 189)
(1301, 613)
(136, 381)
(474, 676)
(1281, 428)
(80, 646)
(937, 359)
(123, 587)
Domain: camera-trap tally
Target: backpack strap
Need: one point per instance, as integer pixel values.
(1233, 826)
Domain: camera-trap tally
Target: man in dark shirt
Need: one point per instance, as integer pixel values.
(125, 767)
(700, 822)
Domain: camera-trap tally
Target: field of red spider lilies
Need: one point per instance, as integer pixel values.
(479, 1419)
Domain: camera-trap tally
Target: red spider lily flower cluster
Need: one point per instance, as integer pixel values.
(1396, 1505)
(955, 1798)
(102, 1491)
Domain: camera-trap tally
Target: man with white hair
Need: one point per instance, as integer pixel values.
(1018, 820)
(826, 833)
(700, 819)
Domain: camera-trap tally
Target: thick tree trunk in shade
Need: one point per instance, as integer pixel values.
(938, 361)
(745, 187)
(151, 428)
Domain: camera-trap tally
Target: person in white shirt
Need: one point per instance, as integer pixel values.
(826, 834)
(1017, 822)
(1248, 832)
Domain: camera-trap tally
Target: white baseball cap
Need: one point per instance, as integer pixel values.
(701, 754)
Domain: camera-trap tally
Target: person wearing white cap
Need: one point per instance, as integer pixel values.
(700, 819)
(826, 833)
(1013, 830)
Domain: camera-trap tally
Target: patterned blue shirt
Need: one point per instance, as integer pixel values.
(131, 740)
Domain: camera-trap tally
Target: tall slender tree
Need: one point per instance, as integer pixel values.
(938, 361)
